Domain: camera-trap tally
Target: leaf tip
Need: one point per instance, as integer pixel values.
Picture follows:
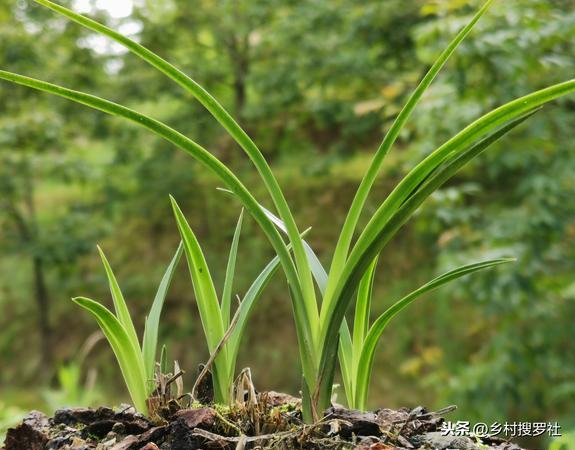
(174, 203)
(78, 300)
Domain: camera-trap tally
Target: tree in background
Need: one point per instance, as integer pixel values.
(44, 208)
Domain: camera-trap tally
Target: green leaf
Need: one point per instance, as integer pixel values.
(362, 309)
(350, 224)
(377, 233)
(435, 179)
(456, 146)
(306, 339)
(346, 362)
(304, 280)
(204, 289)
(230, 270)
(208, 305)
(150, 339)
(129, 356)
(122, 312)
(370, 344)
(246, 306)
(370, 242)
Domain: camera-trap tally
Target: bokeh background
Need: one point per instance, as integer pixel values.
(316, 83)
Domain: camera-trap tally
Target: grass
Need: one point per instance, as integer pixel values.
(321, 298)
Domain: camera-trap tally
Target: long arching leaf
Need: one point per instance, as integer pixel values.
(373, 239)
(231, 126)
(350, 224)
(370, 344)
(454, 147)
(306, 338)
(370, 242)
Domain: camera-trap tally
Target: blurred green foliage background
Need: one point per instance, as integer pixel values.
(316, 83)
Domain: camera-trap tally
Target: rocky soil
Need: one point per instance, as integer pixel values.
(274, 422)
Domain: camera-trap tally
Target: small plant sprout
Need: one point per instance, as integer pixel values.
(223, 333)
(318, 321)
(136, 363)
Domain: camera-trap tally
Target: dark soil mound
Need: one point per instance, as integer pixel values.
(274, 422)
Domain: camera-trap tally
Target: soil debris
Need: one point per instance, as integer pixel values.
(31, 434)
(271, 421)
(203, 417)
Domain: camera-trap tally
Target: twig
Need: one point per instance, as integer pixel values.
(175, 377)
(228, 423)
(241, 443)
(216, 437)
(439, 412)
(213, 356)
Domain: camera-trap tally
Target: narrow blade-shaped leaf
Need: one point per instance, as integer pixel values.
(253, 294)
(150, 339)
(350, 224)
(128, 356)
(204, 289)
(370, 242)
(300, 305)
(227, 121)
(122, 312)
(458, 144)
(362, 309)
(368, 351)
(230, 271)
(208, 305)
(346, 362)
(442, 173)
